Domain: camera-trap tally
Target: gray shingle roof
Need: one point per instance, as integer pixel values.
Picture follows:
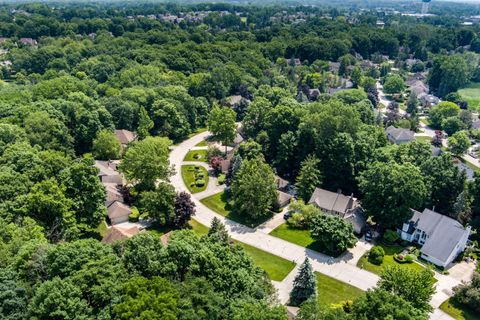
(332, 201)
(400, 134)
(444, 233)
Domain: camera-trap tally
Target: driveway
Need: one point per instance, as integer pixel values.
(342, 268)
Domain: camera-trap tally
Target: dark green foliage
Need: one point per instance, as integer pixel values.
(375, 255)
(468, 294)
(332, 233)
(308, 178)
(304, 285)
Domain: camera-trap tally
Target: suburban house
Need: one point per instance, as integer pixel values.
(338, 204)
(125, 137)
(332, 202)
(442, 238)
(113, 194)
(108, 172)
(117, 234)
(118, 212)
(283, 197)
(399, 135)
(476, 124)
(428, 100)
(419, 88)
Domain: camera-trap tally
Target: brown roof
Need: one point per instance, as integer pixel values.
(118, 209)
(281, 183)
(116, 234)
(225, 165)
(125, 136)
(164, 238)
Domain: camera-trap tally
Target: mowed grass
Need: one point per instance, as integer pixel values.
(458, 312)
(471, 94)
(301, 237)
(202, 143)
(423, 139)
(388, 260)
(332, 291)
(220, 204)
(277, 268)
(188, 176)
(196, 155)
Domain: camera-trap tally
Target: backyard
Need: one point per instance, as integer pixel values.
(471, 94)
(195, 178)
(458, 312)
(297, 236)
(423, 139)
(196, 155)
(332, 291)
(388, 260)
(220, 204)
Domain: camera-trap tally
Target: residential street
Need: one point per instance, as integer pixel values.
(343, 268)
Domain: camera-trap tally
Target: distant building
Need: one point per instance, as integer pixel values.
(117, 234)
(118, 212)
(108, 172)
(125, 137)
(442, 238)
(28, 41)
(399, 135)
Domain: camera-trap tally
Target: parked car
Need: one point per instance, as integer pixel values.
(287, 215)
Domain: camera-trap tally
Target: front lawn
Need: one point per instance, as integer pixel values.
(198, 228)
(195, 178)
(220, 204)
(388, 260)
(423, 139)
(196, 155)
(276, 267)
(202, 143)
(471, 94)
(301, 237)
(458, 312)
(332, 291)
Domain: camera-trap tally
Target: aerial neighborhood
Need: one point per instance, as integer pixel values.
(236, 160)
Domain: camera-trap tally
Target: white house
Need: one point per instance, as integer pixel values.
(399, 135)
(442, 238)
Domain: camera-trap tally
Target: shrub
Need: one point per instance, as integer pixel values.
(134, 216)
(200, 183)
(409, 258)
(390, 236)
(213, 152)
(376, 255)
(221, 179)
(296, 221)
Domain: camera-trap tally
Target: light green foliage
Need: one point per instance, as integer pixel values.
(221, 122)
(394, 84)
(159, 203)
(146, 161)
(415, 287)
(144, 298)
(106, 146)
(459, 143)
(253, 189)
(308, 178)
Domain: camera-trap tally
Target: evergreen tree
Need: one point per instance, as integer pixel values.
(304, 285)
(145, 124)
(217, 231)
(309, 178)
(412, 103)
(232, 170)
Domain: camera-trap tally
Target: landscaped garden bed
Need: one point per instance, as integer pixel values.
(195, 178)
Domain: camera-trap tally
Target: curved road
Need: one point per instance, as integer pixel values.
(342, 268)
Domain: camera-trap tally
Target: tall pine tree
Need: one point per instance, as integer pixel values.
(217, 231)
(304, 285)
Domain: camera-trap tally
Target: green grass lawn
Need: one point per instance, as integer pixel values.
(189, 174)
(458, 312)
(388, 260)
(220, 204)
(471, 94)
(102, 229)
(198, 228)
(297, 236)
(158, 230)
(424, 139)
(202, 143)
(196, 155)
(276, 267)
(332, 291)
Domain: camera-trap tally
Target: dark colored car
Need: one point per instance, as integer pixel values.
(368, 236)
(287, 215)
